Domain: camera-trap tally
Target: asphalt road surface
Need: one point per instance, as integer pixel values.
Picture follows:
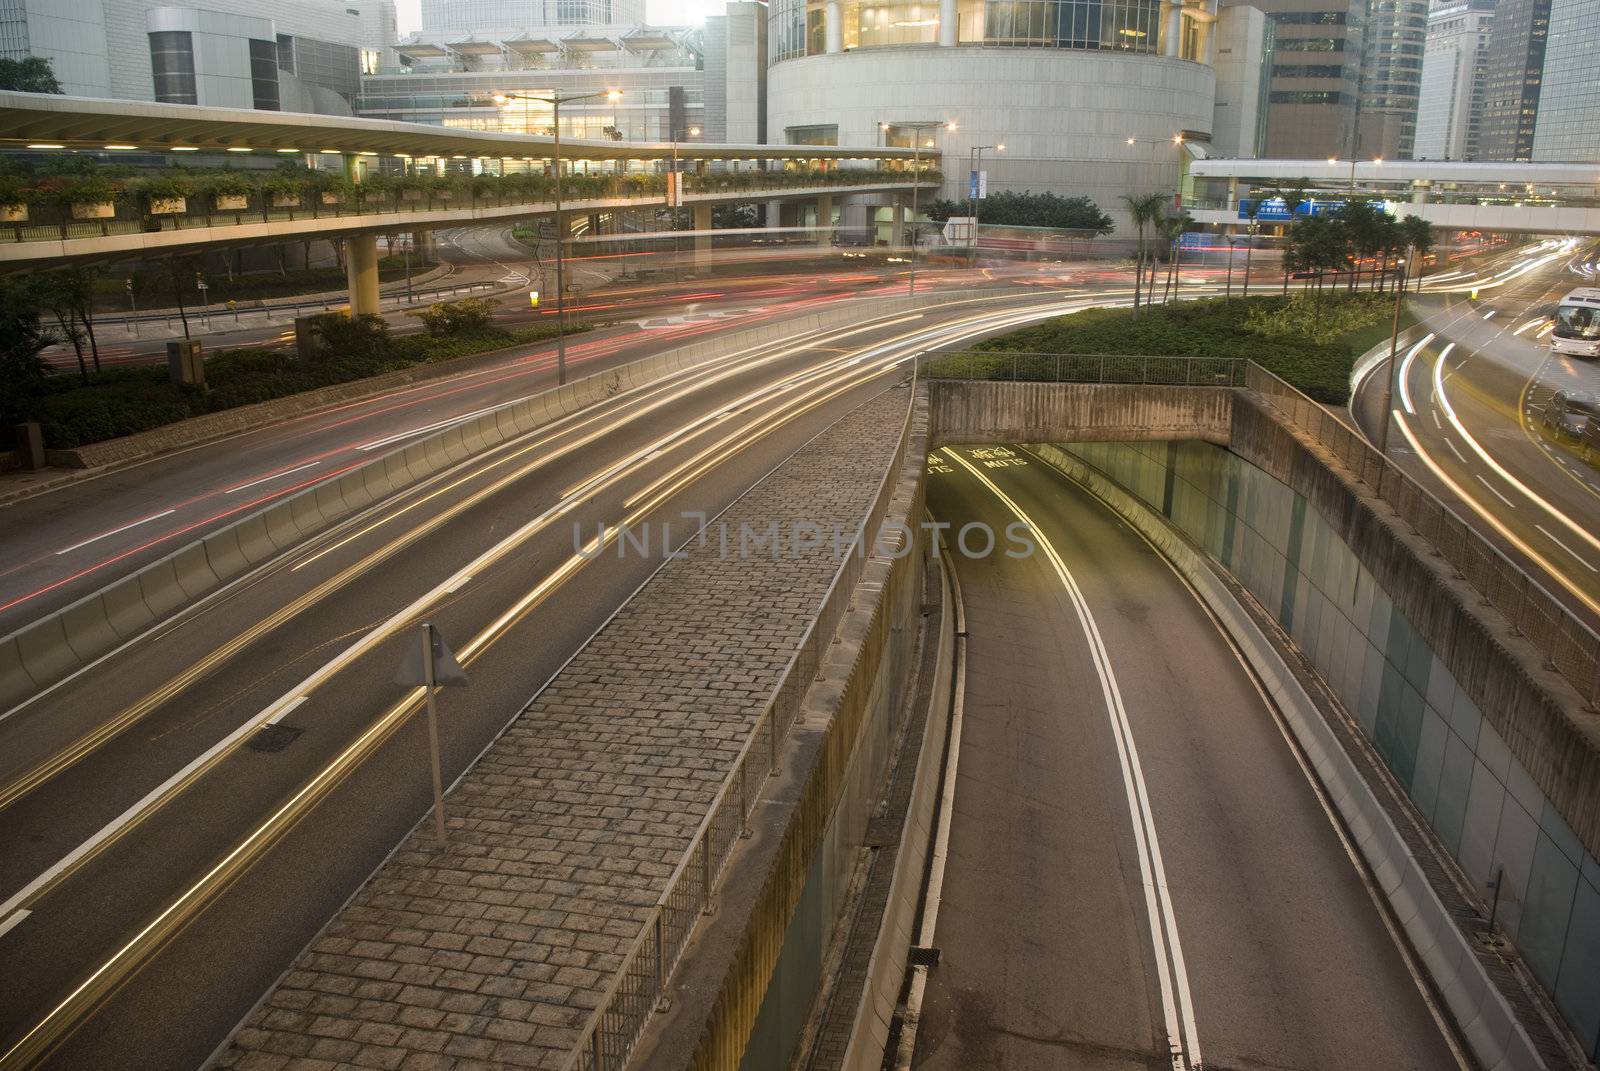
(1467, 407)
(1140, 873)
(61, 545)
(178, 821)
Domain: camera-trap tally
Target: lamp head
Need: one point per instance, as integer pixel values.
(613, 95)
(694, 131)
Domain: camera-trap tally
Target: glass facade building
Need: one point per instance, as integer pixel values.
(1315, 77)
(1513, 78)
(1450, 108)
(1568, 125)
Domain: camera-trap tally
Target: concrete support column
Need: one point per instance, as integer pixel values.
(702, 235)
(1174, 31)
(897, 234)
(361, 272)
(824, 231)
(833, 27)
(425, 245)
(947, 23)
(774, 215)
(1419, 195)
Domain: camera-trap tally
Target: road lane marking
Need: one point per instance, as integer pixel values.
(273, 476)
(116, 531)
(401, 436)
(1494, 490)
(285, 708)
(9, 924)
(1459, 455)
(1553, 538)
(1494, 522)
(1499, 469)
(1182, 1036)
(1405, 372)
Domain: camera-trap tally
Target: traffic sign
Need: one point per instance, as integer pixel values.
(413, 672)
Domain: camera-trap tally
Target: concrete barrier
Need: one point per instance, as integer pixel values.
(1487, 1022)
(48, 654)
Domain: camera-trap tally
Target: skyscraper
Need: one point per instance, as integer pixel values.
(1450, 106)
(1393, 40)
(1512, 80)
(1314, 81)
(1568, 126)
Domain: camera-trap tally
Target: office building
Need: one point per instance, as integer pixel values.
(1450, 107)
(1315, 77)
(1394, 36)
(1568, 123)
(492, 16)
(697, 85)
(292, 55)
(1243, 62)
(1512, 79)
(1089, 97)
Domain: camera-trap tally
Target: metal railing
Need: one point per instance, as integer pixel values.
(640, 983)
(1018, 367)
(1570, 647)
(646, 191)
(278, 309)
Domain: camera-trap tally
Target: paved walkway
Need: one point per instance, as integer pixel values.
(564, 834)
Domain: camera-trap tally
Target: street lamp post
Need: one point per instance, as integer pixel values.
(976, 156)
(677, 247)
(555, 101)
(916, 185)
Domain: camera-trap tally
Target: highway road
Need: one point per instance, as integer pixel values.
(1468, 398)
(1140, 874)
(58, 546)
(177, 822)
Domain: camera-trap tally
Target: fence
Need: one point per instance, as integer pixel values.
(1570, 647)
(1007, 366)
(641, 980)
(269, 309)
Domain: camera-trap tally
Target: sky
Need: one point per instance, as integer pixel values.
(658, 12)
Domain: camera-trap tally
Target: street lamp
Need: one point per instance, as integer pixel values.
(976, 155)
(916, 182)
(677, 248)
(556, 100)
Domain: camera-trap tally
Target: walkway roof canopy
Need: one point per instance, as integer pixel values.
(91, 123)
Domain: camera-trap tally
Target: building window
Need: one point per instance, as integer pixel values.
(172, 66)
(812, 135)
(264, 74)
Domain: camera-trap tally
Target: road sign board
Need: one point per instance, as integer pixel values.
(413, 672)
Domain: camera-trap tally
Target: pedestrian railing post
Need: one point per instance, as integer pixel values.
(663, 1002)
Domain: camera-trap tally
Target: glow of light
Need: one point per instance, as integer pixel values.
(122, 146)
(239, 148)
(43, 145)
(184, 148)
(288, 150)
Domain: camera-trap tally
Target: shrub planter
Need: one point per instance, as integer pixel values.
(168, 206)
(94, 210)
(332, 198)
(13, 213)
(286, 200)
(232, 203)
(410, 195)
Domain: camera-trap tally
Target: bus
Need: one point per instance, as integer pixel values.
(1577, 323)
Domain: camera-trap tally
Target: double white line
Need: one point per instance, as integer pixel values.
(1183, 1040)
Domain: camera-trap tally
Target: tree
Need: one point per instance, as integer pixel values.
(1145, 209)
(1008, 208)
(1417, 236)
(1292, 197)
(23, 338)
(1364, 228)
(68, 294)
(1252, 210)
(31, 75)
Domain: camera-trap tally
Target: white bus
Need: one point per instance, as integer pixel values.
(1577, 323)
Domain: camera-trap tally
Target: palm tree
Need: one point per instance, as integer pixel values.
(1417, 235)
(1252, 210)
(1292, 199)
(1145, 209)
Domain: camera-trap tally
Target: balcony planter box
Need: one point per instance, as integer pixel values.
(232, 202)
(286, 200)
(410, 195)
(94, 210)
(13, 213)
(169, 206)
(332, 198)
(445, 195)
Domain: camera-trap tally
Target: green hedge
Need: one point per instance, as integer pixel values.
(126, 401)
(1260, 329)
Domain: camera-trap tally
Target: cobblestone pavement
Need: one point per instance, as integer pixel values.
(564, 834)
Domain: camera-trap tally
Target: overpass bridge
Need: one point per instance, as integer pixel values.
(371, 177)
(1531, 198)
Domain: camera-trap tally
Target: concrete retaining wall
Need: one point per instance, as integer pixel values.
(981, 412)
(45, 652)
(1496, 1039)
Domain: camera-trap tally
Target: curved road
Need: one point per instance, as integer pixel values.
(1140, 873)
